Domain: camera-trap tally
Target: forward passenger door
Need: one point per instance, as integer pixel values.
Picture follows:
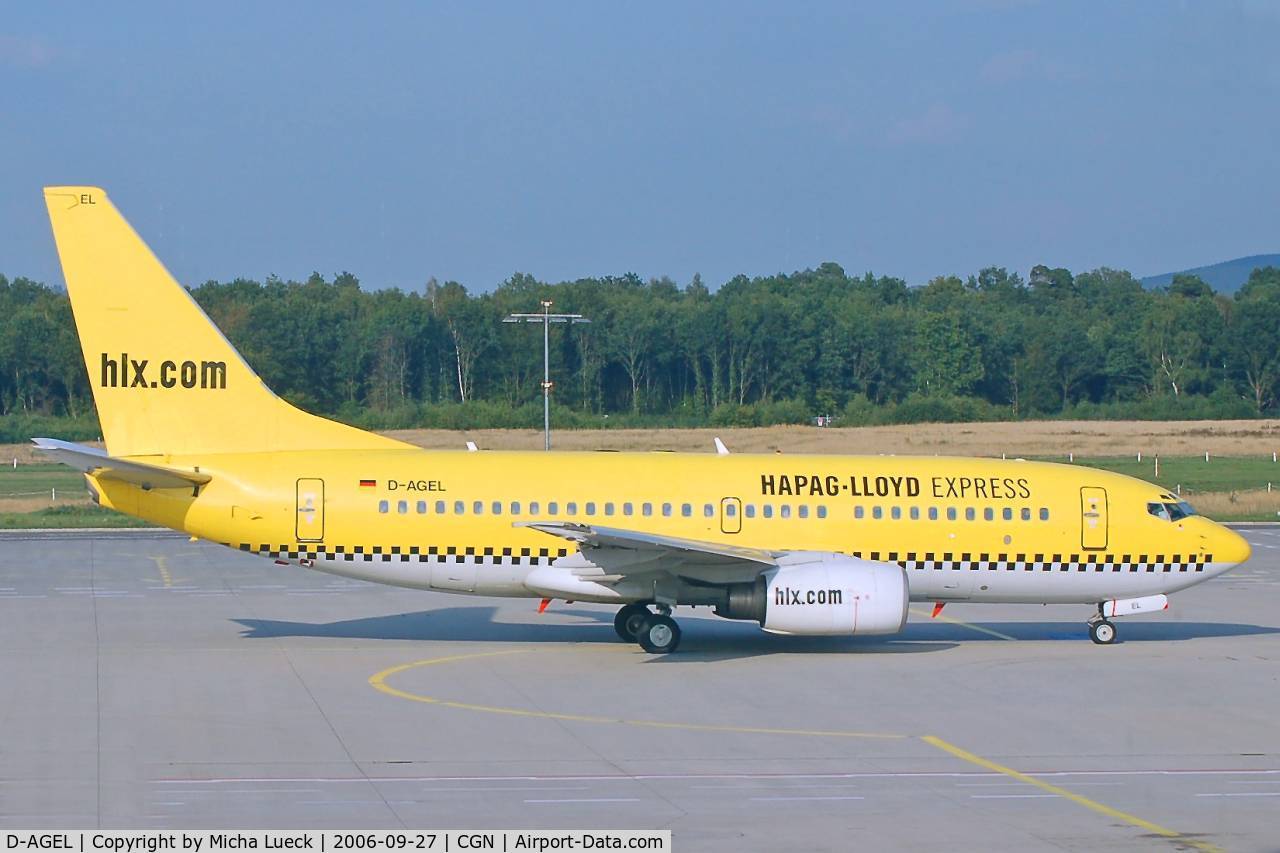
(1093, 518)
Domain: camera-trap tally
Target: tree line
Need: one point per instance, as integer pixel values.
(780, 348)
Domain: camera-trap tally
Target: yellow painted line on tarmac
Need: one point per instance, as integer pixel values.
(1092, 805)
(162, 566)
(378, 681)
(963, 624)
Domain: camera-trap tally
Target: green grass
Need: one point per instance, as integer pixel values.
(1192, 473)
(69, 516)
(37, 479)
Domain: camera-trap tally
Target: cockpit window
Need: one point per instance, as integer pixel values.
(1171, 511)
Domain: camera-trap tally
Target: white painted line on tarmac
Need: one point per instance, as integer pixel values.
(1244, 794)
(1013, 796)
(543, 788)
(799, 799)
(588, 800)
(922, 774)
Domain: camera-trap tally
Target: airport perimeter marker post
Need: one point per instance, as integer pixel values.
(546, 318)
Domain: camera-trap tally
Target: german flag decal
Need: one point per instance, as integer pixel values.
(368, 484)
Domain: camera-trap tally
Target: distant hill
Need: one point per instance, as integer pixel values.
(1226, 277)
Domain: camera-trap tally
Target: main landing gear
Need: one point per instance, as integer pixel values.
(1101, 631)
(657, 633)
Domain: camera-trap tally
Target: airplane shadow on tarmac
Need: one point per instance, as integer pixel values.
(720, 639)
(702, 637)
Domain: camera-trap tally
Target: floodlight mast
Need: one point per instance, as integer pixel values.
(546, 318)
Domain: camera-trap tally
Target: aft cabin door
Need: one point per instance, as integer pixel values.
(730, 515)
(1093, 518)
(310, 510)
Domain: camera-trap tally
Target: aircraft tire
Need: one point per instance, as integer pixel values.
(1102, 632)
(659, 635)
(628, 621)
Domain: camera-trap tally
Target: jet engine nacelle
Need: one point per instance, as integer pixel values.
(823, 593)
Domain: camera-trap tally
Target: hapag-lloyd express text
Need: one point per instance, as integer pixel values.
(893, 486)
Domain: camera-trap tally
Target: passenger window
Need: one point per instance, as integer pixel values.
(785, 510)
(731, 510)
(951, 513)
(534, 507)
(553, 508)
(988, 514)
(440, 507)
(402, 507)
(751, 510)
(571, 508)
(608, 509)
(515, 507)
(915, 513)
(477, 508)
(1007, 513)
(822, 511)
(877, 512)
(969, 513)
(591, 508)
(708, 510)
(933, 513)
(767, 510)
(895, 512)
(626, 509)
(858, 511)
(686, 510)
(383, 506)
(459, 508)
(666, 510)
(1044, 513)
(1026, 513)
(496, 507)
(646, 509)
(422, 507)
(803, 510)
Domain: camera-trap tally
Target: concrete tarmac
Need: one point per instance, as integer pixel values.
(148, 681)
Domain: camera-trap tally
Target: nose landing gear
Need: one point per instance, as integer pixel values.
(1102, 632)
(657, 633)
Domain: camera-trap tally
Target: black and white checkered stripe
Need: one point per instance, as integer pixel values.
(1028, 562)
(413, 554)
(912, 561)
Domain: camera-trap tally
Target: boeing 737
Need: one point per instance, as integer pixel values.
(801, 544)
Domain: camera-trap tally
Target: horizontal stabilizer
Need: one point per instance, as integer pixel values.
(93, 461)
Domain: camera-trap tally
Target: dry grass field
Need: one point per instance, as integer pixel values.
(1027, 438)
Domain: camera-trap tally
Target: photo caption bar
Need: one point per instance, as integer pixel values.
(336, 841)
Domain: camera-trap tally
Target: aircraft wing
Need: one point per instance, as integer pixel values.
(592, 536)
(619, 556)
(93, 461)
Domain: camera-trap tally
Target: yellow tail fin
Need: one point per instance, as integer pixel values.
(164, 378)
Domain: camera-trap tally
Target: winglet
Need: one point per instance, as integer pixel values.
(721, 450)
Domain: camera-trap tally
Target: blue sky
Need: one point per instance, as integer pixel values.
(469, 141)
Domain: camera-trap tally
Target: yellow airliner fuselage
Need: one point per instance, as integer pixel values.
(801, 544)
(964, 529)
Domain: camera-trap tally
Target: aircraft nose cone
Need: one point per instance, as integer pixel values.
(1231, 547)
